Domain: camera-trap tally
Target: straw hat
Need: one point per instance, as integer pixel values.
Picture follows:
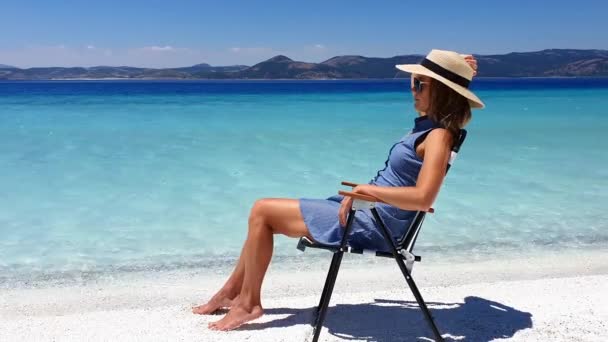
(449, 68)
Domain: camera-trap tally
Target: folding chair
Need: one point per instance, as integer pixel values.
(401, 252)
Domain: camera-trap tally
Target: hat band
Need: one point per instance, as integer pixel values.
(443, 72)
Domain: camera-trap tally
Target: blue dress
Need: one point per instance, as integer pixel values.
(401, 169)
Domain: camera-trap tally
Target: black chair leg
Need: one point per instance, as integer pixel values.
(408, 277)
(330, 281)
(329, 288)
(421, 303)
(330, 274)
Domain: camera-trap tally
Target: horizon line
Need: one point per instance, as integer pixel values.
(7, 66)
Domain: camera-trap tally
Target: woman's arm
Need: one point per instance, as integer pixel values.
(437, 148)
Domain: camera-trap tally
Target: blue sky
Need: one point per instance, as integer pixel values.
(180, 33)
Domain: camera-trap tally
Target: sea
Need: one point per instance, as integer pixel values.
(107, 178)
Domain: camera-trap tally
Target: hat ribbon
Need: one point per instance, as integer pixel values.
(441, 71)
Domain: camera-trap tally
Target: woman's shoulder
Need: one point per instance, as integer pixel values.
(440, 133)
(437, 139)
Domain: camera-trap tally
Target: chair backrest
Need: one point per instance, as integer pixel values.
(408, 240)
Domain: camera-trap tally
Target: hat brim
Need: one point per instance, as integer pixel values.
(474, 101)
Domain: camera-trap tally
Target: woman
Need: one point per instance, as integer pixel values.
(409, 183)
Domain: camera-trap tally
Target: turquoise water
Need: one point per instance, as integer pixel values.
(122, 180)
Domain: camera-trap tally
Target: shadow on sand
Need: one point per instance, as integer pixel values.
(477, 319)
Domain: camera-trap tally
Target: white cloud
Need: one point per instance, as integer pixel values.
(90, 47)
(159, 48)
(252, 50)
(319, 46)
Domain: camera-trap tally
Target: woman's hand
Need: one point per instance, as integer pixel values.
(345, 207)
(472, 63)
(347, 204)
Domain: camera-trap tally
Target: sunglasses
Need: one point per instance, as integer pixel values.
(417, 84)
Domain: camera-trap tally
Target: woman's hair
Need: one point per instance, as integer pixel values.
(448, 108)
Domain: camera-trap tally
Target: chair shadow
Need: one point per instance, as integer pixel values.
(476, 319)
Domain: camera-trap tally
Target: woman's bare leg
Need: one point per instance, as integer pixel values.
(225, 297)
(268, 217)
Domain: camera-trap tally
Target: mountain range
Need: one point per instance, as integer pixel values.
(545, 63)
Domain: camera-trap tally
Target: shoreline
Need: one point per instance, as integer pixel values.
(500, 266)
(521, 299)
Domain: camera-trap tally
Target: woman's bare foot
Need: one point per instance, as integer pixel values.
(217, 302)
(236, 317)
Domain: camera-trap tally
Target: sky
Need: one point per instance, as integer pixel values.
(178, 33)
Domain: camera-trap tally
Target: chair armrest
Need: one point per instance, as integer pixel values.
(351, 184)
(359, 196)
(369, 198)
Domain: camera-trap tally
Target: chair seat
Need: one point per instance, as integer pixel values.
(307, 243)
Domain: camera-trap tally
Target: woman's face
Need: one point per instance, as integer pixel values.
(420, 86)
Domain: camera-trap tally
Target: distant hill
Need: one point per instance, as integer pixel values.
(122, 72)
(363, 67)
(555, 62)
(4, 66)
(283, 67)
(546, 63)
